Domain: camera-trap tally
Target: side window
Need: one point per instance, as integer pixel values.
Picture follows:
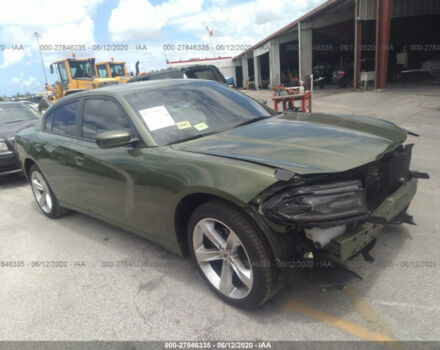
(63, 75)
(63, 122)
(48, 122)
(102, 115)
(102, 71)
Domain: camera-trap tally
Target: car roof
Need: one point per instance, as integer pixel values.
(125, 89)
(182, 69)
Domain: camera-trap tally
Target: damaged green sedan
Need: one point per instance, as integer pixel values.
(204, 170)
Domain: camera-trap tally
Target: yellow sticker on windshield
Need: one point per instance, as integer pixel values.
(183, 125)
(201, 126)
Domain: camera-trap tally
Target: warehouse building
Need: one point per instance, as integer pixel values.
(378, 40)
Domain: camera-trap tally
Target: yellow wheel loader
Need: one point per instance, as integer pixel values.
(112, 69)
(74, 75)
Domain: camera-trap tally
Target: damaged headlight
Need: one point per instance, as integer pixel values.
(323, 203)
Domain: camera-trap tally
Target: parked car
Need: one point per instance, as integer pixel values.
(14, 116)
(208, 72)
(30, 104)
(204, 170)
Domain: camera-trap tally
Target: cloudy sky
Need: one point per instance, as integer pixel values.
(148, 23)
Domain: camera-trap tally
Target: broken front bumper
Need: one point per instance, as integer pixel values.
(357, 237)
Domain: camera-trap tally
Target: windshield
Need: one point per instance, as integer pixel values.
(81, 69)
(183, 111)
(10, 113)
(102, 71)
(117, 69)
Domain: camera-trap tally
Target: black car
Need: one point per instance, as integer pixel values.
(14, 116)
(208, 72)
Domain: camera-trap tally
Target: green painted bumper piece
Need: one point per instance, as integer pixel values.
(397, 202)
(352, 242)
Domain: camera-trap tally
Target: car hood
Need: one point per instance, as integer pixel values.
(304, 143)
(9, 130)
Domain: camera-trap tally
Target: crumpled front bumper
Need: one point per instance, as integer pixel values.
(358, 236)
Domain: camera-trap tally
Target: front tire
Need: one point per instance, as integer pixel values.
(230, 254)
(43, 194)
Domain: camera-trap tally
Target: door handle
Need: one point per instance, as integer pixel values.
(79, 160)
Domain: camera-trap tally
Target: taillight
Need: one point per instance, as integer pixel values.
(341, 73)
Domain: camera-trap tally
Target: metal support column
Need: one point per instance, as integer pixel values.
(383, 26)
(357, 47)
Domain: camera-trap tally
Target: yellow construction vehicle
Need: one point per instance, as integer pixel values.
(74, 75)
(112, 69)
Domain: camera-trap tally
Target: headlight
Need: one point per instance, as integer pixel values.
(3, 147)
(311, 205)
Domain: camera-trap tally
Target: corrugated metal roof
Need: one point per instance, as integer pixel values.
(401, 8)
(308, 15)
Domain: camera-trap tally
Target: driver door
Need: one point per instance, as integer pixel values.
(107, 180)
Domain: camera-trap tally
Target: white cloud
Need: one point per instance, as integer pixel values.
(16, 80)
(11, 57)
(244, 23)
(139, 19)
(52, 19)
(29, 81)
(45, 12)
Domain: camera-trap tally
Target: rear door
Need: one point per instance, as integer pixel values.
(56, 158)
(106, 175)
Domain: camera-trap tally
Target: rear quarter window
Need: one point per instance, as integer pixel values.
(63, 122)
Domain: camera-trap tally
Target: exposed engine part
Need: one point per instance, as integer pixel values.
(322, 236)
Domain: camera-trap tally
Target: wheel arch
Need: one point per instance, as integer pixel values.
(27, 164)
(190, 202)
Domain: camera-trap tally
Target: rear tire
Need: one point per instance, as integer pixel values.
(230, 254)
(43, 194)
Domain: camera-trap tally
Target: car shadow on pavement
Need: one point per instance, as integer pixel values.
(12, 181)
(332, 301)
(150, 255)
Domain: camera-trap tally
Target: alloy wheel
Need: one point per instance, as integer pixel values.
(41, 192)
(222, 258)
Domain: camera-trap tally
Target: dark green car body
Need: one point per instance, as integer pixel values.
(151, 189)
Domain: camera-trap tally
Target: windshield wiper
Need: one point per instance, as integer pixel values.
(193, 137)
(250, 121)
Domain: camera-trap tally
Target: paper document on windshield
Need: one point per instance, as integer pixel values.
(156, 117)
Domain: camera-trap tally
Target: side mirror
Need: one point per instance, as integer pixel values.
(51, 69)
(262, 101)
(112, 139)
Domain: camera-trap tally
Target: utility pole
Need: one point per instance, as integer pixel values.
(37, 36)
